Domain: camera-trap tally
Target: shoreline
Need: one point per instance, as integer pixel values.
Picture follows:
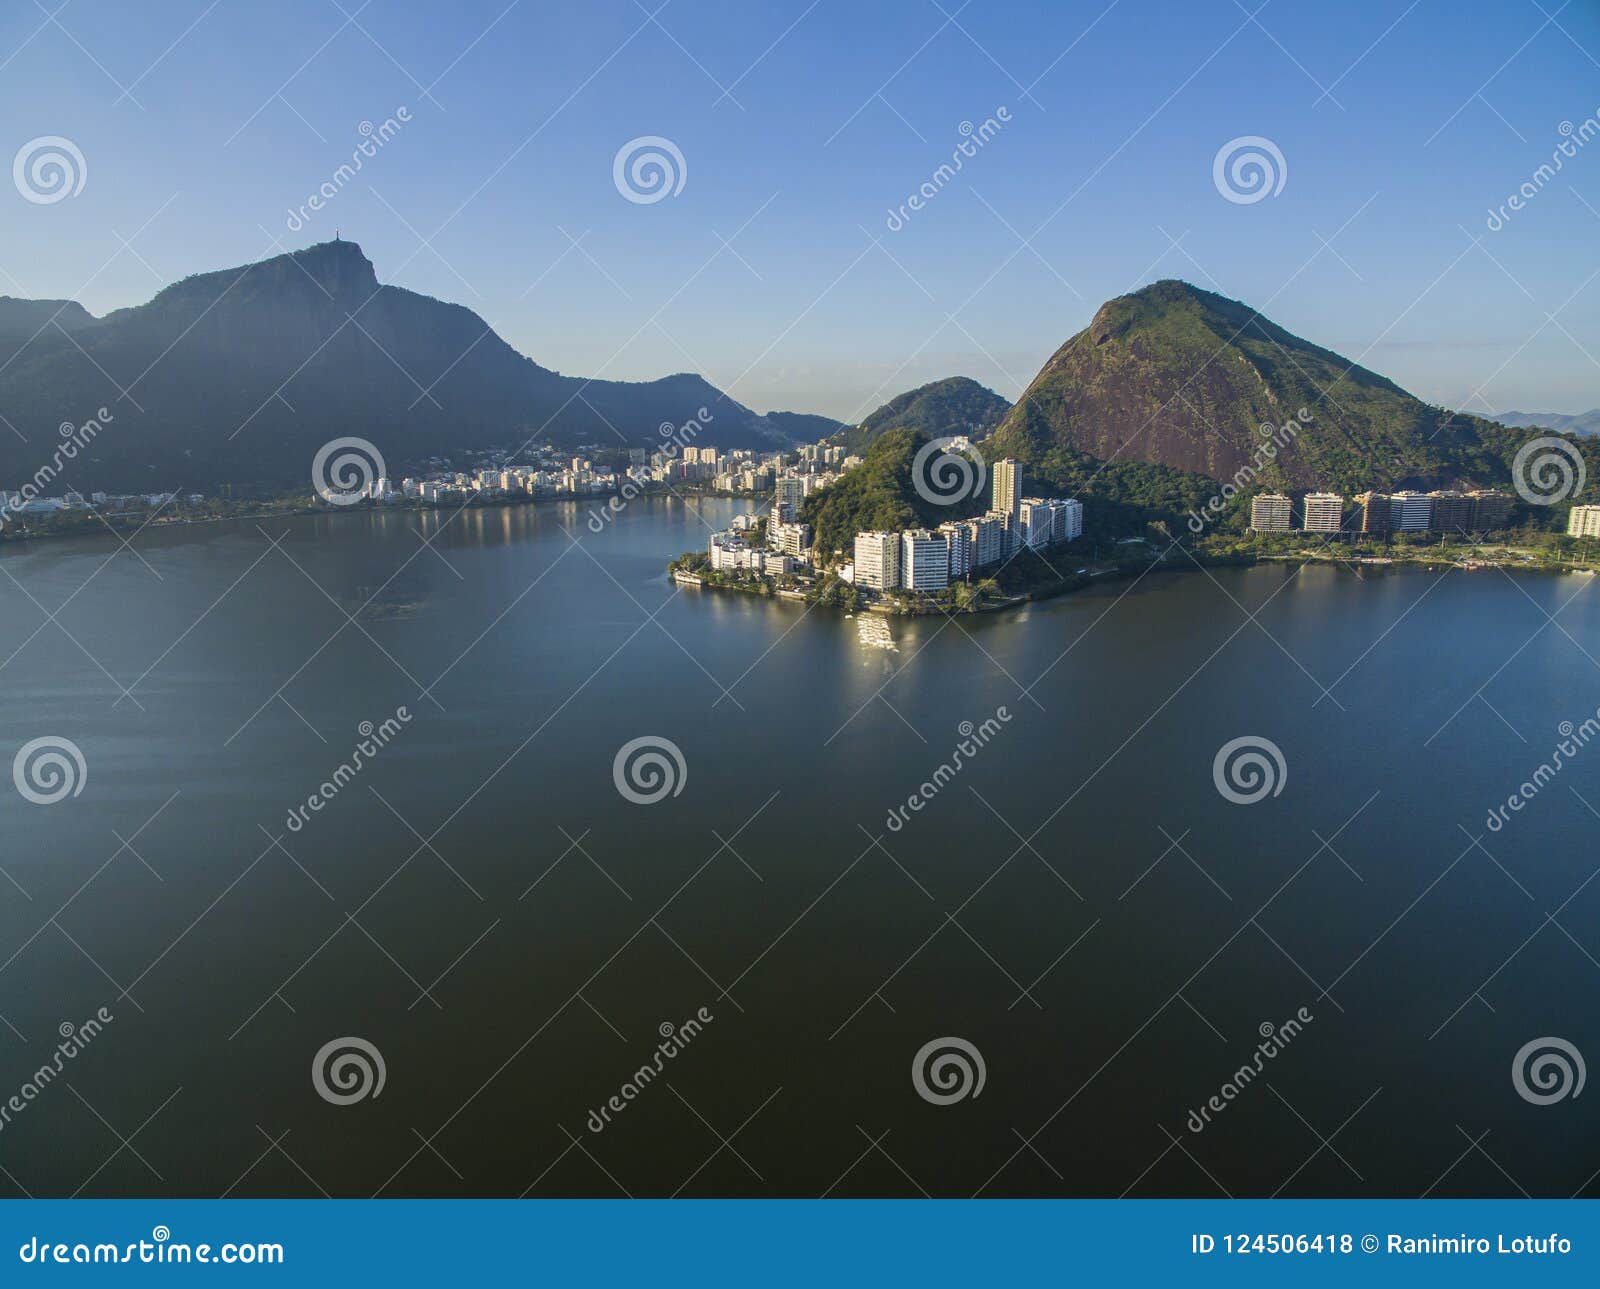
(760, 589)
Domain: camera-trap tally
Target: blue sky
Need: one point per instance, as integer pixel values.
(802, 126)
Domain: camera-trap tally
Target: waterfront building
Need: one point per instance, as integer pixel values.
(1584, 521)
(1007, 486)
(1410, 512)
(791, 490)
(1324, 512)
(924, 560)
(1269, 513)
(1066, 519)
(1006, 528)
(958, 544)
(1374, 512)
(1033, 522)
(877, 560)
(1490, 510)
(1452, 512)
(791, 539)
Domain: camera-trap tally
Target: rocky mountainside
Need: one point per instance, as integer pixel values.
(240, 375)
(1175, 376)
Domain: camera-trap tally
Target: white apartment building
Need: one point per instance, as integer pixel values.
(924, 560)
(1066, 519)
(1584, 521)
(1410, 512)
(1324, 512)
(1269, 513)
(791, 539)
(1034, 522)
(878, 561)
(791, 489)
(958, 546)
(988, 540)
(1007, 485)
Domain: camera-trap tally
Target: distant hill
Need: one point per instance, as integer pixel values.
(1574, 423)
(1178, 377)
(805, 427)
(879, 495)
(955, 405)
(241, 375)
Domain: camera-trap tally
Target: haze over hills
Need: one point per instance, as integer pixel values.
(1176, 376)
(955, 405)
(241, 375)
(1568, 423)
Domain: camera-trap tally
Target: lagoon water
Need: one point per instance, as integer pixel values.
(1078, 902)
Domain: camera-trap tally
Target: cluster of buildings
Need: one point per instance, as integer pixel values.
(14, 503)
(1442, 511)
(915, 559)
(739, 470)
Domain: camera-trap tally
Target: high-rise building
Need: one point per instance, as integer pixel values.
(1034, 522)
(791, 539)
(1451, 512)
(1324, 512)
(1269, 512)
(924, 560)
(1410, 512)
(1374, 512)
(988, 540)
(1583, 521)
(1007, 486)
(958, 543)
(878, 560)
(1066, 519)
(790, 489)
(1490, 510)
